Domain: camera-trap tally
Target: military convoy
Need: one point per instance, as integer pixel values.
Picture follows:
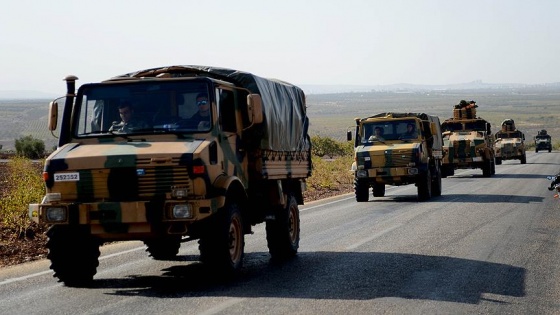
(468, 141)
(543, 141)
(397, 149)
(510, 143)
(172, 181)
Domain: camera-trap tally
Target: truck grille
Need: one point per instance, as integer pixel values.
(125, 184)
(389, 159)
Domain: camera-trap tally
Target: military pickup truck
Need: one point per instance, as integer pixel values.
(468, 141)
(397, 149)
(210, 153)
(510, 143)
(543, 141)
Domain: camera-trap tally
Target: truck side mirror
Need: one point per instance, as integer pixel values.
(349, 135)
(254, 108)
(53, 115)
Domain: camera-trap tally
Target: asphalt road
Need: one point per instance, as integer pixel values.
(486, 246)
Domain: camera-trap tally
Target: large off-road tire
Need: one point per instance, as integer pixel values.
(498, 161)
(447, 170)
(436, 184)
(524, 159)
(487, 168)
(378, 190)
(424, 185)
(222, 245)
(536, 150)
(549, 150)
(282, 233)
(164, 248)
(361, 189)
(74, 255)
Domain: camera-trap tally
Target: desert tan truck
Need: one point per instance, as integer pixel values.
(467, 141)
(397, 149)
(175, 172)
(510, 143)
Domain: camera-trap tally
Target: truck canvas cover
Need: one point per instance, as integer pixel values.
(285, 122)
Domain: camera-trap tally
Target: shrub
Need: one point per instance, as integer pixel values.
(22, 185)
(30, 147)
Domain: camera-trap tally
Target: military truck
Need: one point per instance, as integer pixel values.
(397, 149)
(467, 141)
(543, 141)
(173, 181)
(510, 143)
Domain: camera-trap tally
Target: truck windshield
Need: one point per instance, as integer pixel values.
(389, 130)
(505, 135)
(143, 107)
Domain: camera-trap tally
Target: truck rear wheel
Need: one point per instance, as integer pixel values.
(165, 248)
(282, 234)
(424, 185)
(361, 189)
(524, 159)
(498, 161)
(222, 245)
(74, 255)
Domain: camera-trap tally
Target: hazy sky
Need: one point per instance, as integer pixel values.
(350, 42)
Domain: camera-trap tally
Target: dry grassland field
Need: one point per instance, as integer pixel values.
(532, 108)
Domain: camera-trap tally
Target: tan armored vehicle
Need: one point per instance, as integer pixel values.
(397, 149)
(510, 143)
(467, 141)
(543, 141)
(209, 153)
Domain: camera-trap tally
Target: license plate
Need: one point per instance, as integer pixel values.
(67, 177)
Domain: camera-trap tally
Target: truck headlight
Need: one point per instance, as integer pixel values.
(412, 171)
(182, 211)
(55, 214)
(361, 173)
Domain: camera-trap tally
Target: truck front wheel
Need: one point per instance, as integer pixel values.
(222, 245)
(436, 184)
(378, 190)
(424, 185)
(74, 255)
(487, 168)
(361, 189)
(282, 234)
(165, 248)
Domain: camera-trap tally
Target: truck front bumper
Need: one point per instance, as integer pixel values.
(121, 217)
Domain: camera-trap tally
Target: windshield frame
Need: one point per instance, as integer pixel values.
(164, 106)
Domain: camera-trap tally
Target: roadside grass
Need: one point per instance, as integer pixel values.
(330, 174)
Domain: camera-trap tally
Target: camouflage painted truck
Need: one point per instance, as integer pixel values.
(543, 141)
(172, 181)
(510, 143)
(397, 149)
(467, 142)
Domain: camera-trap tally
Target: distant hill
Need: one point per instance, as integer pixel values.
(405, 87)
(26, 94)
